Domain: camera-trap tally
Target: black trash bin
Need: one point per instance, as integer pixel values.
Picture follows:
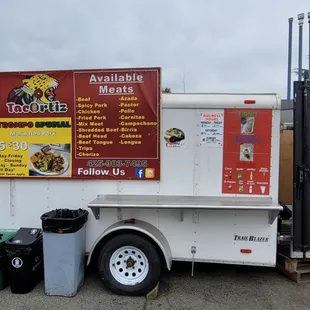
(4, 235)
(24, 260)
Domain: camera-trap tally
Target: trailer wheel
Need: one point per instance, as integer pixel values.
(129, 265)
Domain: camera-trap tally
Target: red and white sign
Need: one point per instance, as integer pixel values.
(211, 129)
(247, 152)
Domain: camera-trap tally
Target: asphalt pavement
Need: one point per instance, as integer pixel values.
(212, 287)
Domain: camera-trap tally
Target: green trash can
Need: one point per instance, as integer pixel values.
(5, 234)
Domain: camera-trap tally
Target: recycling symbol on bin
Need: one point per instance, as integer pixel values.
(17, 262)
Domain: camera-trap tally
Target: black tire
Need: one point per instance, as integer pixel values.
(149, 250)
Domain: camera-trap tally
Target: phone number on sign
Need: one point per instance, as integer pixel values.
(117, 163)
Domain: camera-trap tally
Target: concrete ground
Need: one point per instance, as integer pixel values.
(212, 287)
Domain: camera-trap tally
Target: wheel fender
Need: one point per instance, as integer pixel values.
(142, 227)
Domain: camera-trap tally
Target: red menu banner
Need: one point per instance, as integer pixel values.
(85, 124)
(247, 152)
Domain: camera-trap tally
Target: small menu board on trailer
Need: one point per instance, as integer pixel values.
(247, 152)
(84, 124)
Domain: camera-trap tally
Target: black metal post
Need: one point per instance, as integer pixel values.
(289, 67)
(309, 44)
(298, 163)
(301, 203)
(301, 17)
(306, 198)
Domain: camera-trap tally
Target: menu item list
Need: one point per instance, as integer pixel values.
(117, 123)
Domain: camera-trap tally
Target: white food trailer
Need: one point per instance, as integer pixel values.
(217, 200)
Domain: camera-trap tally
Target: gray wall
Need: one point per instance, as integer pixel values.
(287, 111)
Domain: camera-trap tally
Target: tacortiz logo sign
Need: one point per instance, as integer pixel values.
(36, 95)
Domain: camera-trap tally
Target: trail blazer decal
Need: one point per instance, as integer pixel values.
(250, 238)
(37, 95)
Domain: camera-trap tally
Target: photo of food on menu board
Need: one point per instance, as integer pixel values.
(174, 135)
(246, 152)
(247, 125)
(49, 160)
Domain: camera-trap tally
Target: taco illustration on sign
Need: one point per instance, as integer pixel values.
(38, 88)
(174, 136)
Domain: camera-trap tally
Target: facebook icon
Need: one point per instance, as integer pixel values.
(139, 173)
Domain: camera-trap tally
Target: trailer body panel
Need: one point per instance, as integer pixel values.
(231, 235)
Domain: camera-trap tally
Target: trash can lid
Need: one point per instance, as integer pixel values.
(25, 236)
(6, 234)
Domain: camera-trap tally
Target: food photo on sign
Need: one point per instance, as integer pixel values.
(246, 152)
(49, 160)
(247, 125)
(247, 128)
(174, 137)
